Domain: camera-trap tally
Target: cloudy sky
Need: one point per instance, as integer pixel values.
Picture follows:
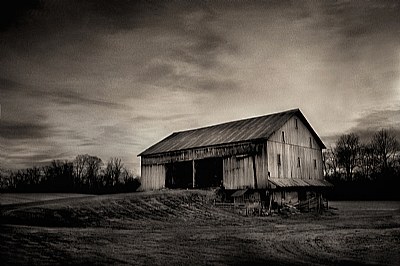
(111, 78)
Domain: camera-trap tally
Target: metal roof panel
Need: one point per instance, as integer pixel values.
(249, 129)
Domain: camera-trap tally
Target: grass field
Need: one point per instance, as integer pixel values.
(183, 228)
(22, 198)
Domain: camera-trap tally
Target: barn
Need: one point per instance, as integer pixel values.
(279, 154)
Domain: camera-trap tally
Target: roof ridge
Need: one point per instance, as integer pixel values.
(261, 127)
(294, 110)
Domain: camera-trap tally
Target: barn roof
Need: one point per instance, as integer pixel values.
(250, 129)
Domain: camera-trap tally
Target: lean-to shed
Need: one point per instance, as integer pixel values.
(254, 153)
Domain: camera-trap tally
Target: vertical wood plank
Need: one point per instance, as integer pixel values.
(194, 173)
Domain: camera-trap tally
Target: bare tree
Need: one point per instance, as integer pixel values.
(93, 169)
(385, 147)
(347, 148)
(80, 164)
(5, 179)
(64, 173)
(87, 170)
(131, 182)
(331, 164)
(367, 162)
(113, 171)
(33, 175)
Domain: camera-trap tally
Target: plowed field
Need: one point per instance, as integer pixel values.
(184, 228)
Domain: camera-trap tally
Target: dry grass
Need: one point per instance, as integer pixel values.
(22, 198)
(182, 228)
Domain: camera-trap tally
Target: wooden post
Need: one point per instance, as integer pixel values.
(321, 203)
(194, 173)
(254, 171)
(270, 203)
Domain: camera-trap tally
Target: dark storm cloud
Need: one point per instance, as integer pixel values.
(126, 15)
(120, 14)
(355, 20)
(37, 27)
(22, 130)
(217, 85)
(107, 15)
(367, 135)
(61, 96)
(72, 98)
(379, 119)
(112, 77)
(8, 84)
(13, 13)
(201, 54)
(373, 121)
(36, 158)
(88, 144)
(114, 132)
(158, 72)
(370, 123)
(39, 157)
(204, 43)
(167, 75)
(55, 26)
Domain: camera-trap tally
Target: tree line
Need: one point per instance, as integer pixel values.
(364, 170)
(84, 174)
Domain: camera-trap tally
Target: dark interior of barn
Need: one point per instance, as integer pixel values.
(208, 173)
(179, 175)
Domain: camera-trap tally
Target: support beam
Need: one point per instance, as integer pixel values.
(254, 171)
(194, 173)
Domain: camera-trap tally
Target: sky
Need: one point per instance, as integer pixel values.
(111, 78)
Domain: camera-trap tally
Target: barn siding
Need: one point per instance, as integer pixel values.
(202, 153)
(296, 145)
(299, 136)
(153, 177)
(239, 171)
(262, 168)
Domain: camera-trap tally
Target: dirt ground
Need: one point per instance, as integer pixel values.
(183, 228)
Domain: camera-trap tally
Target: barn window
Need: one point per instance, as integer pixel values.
(296, 123)
(315, 164)
(279, 159)
(298, 161)
(310, 142)
(283, 136)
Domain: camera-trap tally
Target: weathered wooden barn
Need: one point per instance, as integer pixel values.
(279, 152)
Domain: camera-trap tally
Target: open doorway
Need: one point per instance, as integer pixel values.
(179, 175)
(209, 172)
